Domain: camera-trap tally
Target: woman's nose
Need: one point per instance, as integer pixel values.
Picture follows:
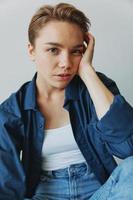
(65, 62)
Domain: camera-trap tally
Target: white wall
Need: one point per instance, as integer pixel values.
(111, 26)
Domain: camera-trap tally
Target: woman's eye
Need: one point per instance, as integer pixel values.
(77, 52)
(53, 50)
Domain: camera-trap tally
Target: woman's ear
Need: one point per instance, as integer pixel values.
(31, 52)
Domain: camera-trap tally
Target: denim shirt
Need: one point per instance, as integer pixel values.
(22, 132)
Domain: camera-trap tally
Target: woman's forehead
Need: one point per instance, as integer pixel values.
(58, 32)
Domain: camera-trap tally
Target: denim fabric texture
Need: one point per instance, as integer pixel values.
(22, 132)
(73, 183)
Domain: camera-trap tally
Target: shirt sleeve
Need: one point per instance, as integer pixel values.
(115, 128)
(117, 124)
(11, 173)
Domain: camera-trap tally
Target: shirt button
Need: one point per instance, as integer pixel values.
(41, 126)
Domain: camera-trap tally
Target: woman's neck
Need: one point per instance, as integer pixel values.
(48, 92)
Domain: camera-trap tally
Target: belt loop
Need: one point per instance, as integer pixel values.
(87, 167)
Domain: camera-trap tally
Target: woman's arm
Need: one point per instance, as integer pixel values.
(100, 94)
(12, 178)
(115, 116)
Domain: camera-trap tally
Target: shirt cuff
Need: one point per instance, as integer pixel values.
(117, 124)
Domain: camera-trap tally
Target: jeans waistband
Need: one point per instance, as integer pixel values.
(74, 169)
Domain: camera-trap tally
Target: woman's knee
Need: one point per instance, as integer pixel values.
(124, 170)
(126, 166)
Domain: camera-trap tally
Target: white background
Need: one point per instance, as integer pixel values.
(111, 25)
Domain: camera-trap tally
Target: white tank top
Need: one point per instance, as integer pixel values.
(60, 149)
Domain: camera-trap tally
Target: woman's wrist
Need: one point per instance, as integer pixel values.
(87, 73)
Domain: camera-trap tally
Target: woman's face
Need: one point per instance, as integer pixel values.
(57, 53)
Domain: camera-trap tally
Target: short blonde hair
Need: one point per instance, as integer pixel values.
(60, 12)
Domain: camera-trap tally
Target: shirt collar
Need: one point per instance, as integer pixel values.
(71, 93)
(30, 95)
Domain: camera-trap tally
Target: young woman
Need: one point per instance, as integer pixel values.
(68, 122)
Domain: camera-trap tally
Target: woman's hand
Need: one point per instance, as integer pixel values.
(86, 61)
(98, 91)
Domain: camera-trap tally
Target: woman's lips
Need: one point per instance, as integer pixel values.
(63, 77)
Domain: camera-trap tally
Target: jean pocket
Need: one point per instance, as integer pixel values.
(83, 169)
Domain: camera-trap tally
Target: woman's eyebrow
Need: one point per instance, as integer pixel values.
(60, 45)
(54, 44)
(78, 46)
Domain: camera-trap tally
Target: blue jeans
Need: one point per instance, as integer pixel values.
(74, 183)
